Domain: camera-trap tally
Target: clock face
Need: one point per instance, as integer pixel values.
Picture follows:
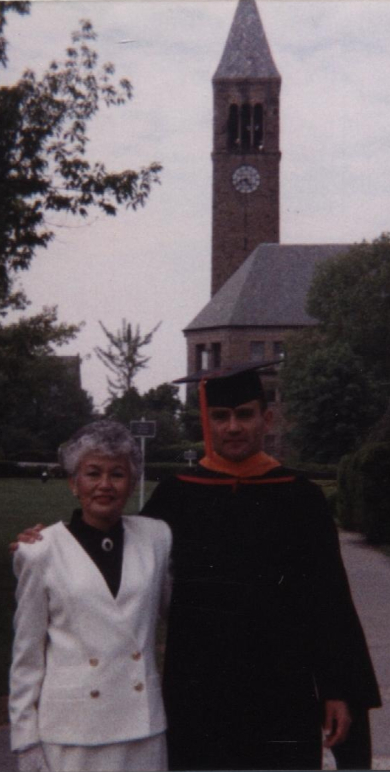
(246, 179)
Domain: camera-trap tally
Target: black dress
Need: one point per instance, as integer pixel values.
(262, 627)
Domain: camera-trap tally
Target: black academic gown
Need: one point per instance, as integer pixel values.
(262, 627)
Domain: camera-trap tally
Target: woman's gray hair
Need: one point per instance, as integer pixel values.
(105, 438)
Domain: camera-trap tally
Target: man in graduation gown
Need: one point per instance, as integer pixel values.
(265, 658)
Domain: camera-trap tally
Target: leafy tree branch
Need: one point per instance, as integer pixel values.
(43, 152)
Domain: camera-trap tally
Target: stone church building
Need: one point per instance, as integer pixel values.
(258, 285)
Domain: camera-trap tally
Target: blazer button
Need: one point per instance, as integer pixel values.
(95, 693)
(139, 687)
(94, 662)
(136, 655)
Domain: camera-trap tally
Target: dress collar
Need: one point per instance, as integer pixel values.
(78, 526)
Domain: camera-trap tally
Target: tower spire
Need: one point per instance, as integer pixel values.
(246, 53)
(246, 154)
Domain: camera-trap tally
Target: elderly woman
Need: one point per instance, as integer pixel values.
(85, 692)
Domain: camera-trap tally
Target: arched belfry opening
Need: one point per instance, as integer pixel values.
(245, 128)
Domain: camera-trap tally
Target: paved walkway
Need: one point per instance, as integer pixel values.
(369, 575)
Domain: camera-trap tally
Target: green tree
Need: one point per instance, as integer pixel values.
(43, 151)
(44, 168)
(163, 398)
(125, 408)
(190, 417)
(336, 377)
(50, 406)
(41, 403)
(162, 404)
(123, 356)
(330, 398)
(350, 298)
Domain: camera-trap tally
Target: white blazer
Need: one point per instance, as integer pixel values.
(84, 670)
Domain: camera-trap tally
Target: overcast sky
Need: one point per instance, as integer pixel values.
(154, 265)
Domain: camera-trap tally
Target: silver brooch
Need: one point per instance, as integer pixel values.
(107, 544)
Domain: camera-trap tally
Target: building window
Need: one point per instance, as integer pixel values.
(216, 349)
(257, 350)
(201, 356)
(258, 127)
(234, 128)
(245, 128)
(278, 349)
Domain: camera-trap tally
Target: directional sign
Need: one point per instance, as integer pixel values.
(143, 428)
(190, 455)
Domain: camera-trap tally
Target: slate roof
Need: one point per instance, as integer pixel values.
(246, 53)
(269, 288)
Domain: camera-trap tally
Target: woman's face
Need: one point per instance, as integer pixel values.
(102, 485)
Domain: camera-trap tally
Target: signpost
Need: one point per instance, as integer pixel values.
(190, 456)
(142, 429)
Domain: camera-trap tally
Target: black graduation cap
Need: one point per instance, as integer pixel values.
(232, 386)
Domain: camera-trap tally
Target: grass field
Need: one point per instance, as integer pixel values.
(23, 503)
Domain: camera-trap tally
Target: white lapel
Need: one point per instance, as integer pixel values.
(86, 568)
(137, 571)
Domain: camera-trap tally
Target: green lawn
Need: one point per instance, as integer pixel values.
(23, 503)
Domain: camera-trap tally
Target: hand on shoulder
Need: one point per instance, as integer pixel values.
(28, 536)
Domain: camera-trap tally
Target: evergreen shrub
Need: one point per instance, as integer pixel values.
(364, 492)
(348, 515)
(373, 491)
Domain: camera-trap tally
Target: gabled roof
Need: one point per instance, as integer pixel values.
(246, 53)
(269, 288)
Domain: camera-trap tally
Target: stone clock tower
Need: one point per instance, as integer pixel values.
(246, 153)
(259, 286)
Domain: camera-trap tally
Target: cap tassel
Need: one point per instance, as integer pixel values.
(205, 418)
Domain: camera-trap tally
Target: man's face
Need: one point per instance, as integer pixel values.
(237, 433)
